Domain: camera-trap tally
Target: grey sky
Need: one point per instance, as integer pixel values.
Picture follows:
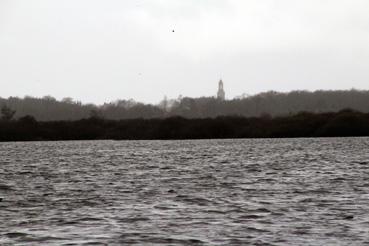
(102, 50)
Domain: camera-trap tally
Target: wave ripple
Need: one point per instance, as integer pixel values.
(208, 192)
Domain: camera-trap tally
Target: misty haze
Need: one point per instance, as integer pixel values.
(182, 122)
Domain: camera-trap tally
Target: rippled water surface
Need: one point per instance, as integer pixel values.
(208, 192)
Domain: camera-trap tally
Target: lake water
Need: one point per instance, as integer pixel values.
(208, 192)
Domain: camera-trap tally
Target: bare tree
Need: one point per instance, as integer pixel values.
(7, 113)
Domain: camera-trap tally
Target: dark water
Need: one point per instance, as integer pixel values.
(216, 192)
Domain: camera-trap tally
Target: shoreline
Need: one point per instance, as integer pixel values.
(346, 123)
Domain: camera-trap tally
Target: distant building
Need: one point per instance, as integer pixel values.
(221, 93)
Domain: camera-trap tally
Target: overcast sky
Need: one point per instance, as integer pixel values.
(102, 50)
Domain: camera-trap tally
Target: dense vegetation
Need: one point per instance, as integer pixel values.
(343, 123)
(264, 104)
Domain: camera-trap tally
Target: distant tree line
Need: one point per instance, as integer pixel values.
(268, 104)
(338, 124)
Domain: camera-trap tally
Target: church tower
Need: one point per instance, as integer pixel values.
(221, 93)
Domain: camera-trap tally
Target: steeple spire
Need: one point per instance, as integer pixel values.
(221, 93)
